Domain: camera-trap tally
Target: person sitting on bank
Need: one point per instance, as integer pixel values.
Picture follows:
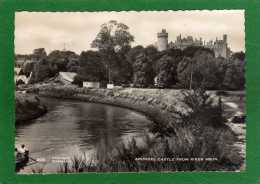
(24, 152)
(22, 149)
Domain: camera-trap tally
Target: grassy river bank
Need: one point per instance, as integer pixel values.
(196, 141)
(27, 107)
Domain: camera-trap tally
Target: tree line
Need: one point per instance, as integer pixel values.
(115, 61)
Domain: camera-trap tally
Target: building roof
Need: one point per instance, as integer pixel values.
(68, 76)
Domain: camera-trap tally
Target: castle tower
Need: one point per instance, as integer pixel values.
(162, 40)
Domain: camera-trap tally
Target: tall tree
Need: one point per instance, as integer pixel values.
(143, 73)
(166, 72)
(41, 71)
(112, 37)
(235, 75)
(91, 67)
(204, 70)
(184, 72)
(133, 52)
(198, 71)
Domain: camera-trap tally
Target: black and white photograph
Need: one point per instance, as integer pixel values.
(129, 91)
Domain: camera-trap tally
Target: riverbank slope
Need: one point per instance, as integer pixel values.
(28, 107)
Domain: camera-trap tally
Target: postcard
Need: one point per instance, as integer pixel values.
(130, 91)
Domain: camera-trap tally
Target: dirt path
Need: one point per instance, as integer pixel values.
(240, 144)
(239, 129)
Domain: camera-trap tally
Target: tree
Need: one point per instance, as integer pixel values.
(152, 53)
(123, 70)
(59, 60)
(91, 66)
(39, 53)
(133, 52)
(199, 71)
(235, 75)
(238, 55)
(143, 72)
(191, 50)
(73, 65)
(166, 66)
(184, 72)
(41, 71)
(204, 70)
(112, 37)
(28, 67)
(166, 69)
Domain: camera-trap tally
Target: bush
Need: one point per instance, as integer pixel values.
(198, 132)
(78, 80)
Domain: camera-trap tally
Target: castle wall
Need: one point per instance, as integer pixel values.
(220, 47)
(162, 40)
(162, 43)
(221, 50)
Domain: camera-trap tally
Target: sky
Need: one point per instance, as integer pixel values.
(76, 30)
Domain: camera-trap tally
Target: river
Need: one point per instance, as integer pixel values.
(71, 128)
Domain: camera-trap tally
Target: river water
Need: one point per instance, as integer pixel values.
(71, 128)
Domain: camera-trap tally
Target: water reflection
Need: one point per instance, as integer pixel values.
(72, 127)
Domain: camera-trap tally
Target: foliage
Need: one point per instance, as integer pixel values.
(39, 53)
(91, 66)
(133, 53)
(166, 67)
(78, 80)
(143, 72)
(115, 61)
(45, 67)
(72, 65)
(28, 68)
(235, 75)
(238, 55)
(166, 72)
(191, 50)
(59, 60)
(112, 37)
(122, 68)
(198, 132)
(204, 69)
(152, 53)
(41, 71)
(184, 72)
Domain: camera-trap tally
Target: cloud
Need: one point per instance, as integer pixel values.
(78, 29)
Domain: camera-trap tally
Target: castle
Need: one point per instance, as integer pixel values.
(220, 47)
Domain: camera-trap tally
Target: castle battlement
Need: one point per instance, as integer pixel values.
(219, 46)
(163, 33)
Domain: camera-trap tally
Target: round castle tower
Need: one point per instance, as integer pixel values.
(162, 42)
